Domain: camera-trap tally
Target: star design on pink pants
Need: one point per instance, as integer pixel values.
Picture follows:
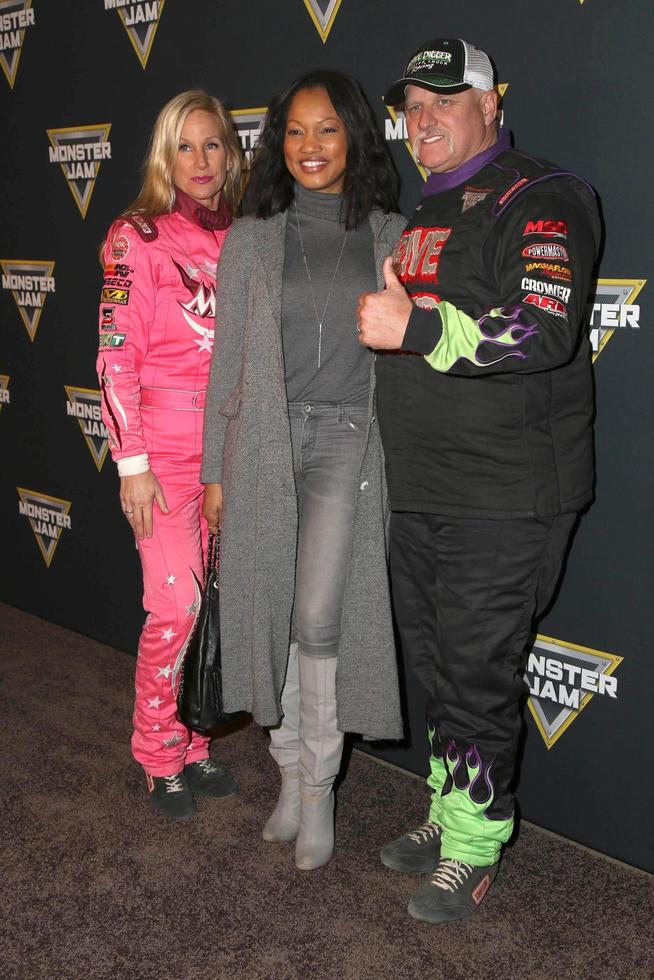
(156, 728)
(171, 579)
(173, 740)
(168, 634)
(192, 609)
(164, 671)
(155, 702)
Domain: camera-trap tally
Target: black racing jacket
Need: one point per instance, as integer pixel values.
(487, 410)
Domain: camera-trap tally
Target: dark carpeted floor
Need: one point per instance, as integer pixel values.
(94, 885)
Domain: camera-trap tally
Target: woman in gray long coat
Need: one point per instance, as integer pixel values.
(292, 447)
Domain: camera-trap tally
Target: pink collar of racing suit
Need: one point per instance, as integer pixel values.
(201, 216)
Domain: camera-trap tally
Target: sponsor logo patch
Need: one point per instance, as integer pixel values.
(84, 405)
(480, 890)
(323, 14)
(15, 17)
(119, 247)
(79, 150)
(48, 517)
(472, 196)
(550, 269)
(546, 227)
(417, 253)
(545, 250)
(112, 295)
(547, 288)
(562, 679)
(29, 283)
(111, 339)
(140, 18)
(547, 304)
(513, 189)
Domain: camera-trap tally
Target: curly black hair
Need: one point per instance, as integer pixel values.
(370, 179)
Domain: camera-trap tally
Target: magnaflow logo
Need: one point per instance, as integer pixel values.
(323, 14)
(562, 679)
(84, 404)
(248, 123)
(29, 284)
(140, 19)
(395, 130)
(612, 309)
(48, 517)
(15, 17)
(4, 391)
(79, 150)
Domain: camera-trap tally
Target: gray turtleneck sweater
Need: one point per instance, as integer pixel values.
(343, 375)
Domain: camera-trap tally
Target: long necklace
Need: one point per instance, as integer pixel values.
(319, 319)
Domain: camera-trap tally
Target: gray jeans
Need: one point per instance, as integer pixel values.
(327, 446)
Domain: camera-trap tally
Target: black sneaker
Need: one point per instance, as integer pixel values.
(208, 779)
(454, 891)
(171, 796)
(419, 850)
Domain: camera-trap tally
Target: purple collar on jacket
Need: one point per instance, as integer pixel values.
(200, 215)
(436, 183)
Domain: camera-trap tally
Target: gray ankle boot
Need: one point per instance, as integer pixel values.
(283, 823)
(321, 746)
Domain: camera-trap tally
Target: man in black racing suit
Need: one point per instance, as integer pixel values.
(485, 402)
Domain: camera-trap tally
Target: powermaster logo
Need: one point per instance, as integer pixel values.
(15, 17)
(79, 150)
(323, 14)
(48, 517)
(140, 18)
(395, 129)
(613, 308)
(4, 391)
(248, 123)
(562, 679)
(84, 404)
(29, 284)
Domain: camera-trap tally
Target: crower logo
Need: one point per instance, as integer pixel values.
(29, 283)
(395, 130)
(84, 405)
(4, 391)
(548, 288)
(80, 150)
(248, 123)
(562, 679)
(15, 17)
(546, 228)
(140, 19)
(612, 308)
(48, 517)
(323, 14)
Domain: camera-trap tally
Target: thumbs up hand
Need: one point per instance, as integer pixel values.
(382, 317)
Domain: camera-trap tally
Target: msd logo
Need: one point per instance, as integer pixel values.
(546, 228)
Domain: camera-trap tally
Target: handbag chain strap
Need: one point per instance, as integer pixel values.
(213, 553)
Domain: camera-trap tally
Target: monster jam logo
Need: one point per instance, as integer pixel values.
(84, 405)
(395, 129)
(613, 308)
(140, 19)
(323, 14)
(248, 123)
(30, 283)
(562, 679)
(80, 150)
(48, 517)
(15, 17)
(4, 391)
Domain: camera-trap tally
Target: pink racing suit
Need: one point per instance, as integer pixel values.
(156, 335)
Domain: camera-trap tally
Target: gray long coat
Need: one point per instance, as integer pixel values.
(247, 448)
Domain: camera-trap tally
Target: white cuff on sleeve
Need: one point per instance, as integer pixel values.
(131, 465)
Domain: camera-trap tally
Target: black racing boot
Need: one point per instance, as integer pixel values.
(171, 796)
(416, 851)
(454, 891)
(206, 778)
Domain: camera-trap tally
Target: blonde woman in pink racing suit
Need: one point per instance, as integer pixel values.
(156, 336)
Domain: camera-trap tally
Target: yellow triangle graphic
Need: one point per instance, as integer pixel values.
(148, 14)
(4, 390)
(629, 290)
(30, 303)
(323, 16)
(59, 139)
(13, 39)
(87, 401)
(37, 507)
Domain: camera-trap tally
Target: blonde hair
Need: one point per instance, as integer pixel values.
(157, 192)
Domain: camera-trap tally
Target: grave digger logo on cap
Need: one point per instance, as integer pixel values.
(4, 391)
(613, 308)
(84, 405)
(140, 19)
(395, 130)
(15, 17)
(80, 150)
(248, 123)
(29, 283)
(48, 517)
(323, 14)
(562, 679)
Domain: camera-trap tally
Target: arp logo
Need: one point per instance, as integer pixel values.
(546, 228)
(140, 18)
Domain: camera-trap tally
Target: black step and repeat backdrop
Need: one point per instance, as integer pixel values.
(81, 86)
